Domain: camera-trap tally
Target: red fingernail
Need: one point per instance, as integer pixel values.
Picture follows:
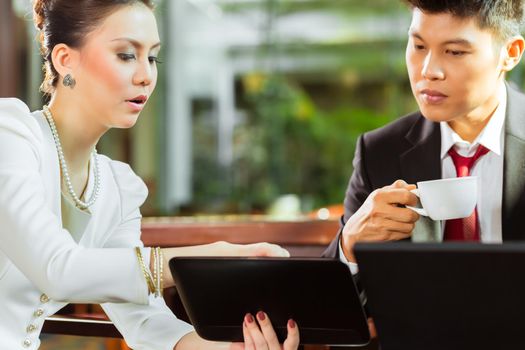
(291, 323)
(260, 316)
(249, 318)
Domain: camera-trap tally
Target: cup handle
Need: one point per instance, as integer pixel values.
(420, 211)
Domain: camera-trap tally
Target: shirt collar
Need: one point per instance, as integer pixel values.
(491, 136)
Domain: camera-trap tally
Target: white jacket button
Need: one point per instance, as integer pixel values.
(38, 312)
(44, 298)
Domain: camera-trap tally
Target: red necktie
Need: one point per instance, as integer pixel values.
(466, 229)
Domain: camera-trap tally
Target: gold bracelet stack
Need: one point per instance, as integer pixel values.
(154, 281)
(157, 271)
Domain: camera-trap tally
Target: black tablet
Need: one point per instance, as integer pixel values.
(319, 294)
(454, 296)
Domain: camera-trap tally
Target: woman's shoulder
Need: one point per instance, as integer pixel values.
(132, 190)
(16, 117)
(14, 105)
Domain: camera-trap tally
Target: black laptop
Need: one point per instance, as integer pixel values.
(319, 294)
(467, 296)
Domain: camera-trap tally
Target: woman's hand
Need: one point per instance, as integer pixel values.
(219, 249)
(259, 334)
(255, 249)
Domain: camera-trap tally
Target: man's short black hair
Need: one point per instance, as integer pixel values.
(503, 17)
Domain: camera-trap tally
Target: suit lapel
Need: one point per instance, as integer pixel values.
(422, 162)
(514, 168)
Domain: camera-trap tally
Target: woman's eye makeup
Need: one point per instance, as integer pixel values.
(154, 59)
(130, 56)
(126, 56)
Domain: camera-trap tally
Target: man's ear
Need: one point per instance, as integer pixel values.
(65, 59)
(513, 51)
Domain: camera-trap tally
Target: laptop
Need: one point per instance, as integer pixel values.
(445, 295)
(319, 294)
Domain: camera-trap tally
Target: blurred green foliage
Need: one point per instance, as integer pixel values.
(347, 7)
(307, 150)
(289, 145)
(296, 130)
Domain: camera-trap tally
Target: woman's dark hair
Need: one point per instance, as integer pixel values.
(503, 17)
(68, 22)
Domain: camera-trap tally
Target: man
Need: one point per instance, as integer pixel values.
(457, 56)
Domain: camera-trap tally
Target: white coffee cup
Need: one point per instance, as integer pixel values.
(447, 199)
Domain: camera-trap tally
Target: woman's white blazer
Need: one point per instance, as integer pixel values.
(42, 268)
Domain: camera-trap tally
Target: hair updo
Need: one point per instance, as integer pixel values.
(68, 22)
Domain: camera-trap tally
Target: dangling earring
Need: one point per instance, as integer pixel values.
(69, 81)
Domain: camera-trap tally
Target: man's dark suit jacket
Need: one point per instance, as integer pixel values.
(409, 149)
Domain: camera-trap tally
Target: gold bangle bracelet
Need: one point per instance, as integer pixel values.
(161, 270)
(156, 271)
(145, 271)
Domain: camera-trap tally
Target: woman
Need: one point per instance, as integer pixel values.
(70, 218)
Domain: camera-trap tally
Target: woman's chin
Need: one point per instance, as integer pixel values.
(126, 122)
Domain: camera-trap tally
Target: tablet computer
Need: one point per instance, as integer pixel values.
(436, 296)
(319, 294)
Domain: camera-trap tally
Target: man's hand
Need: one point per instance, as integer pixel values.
(382, 217)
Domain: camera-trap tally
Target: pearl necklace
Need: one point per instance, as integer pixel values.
(65, 173)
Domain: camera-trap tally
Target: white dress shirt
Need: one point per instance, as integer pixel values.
(43, 266)
(488, 168)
